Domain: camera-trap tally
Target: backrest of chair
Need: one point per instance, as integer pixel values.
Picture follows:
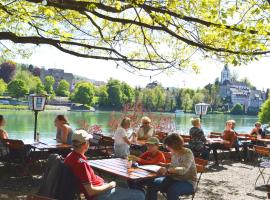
(262, 151)
(14, 144)
(96, 139)
(37, 197)
(200, 168)
(186, 138)
(215, 134)
(200, 161)
(106, 141)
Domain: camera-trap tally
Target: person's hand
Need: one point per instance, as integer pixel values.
(112, 184)
(162, 171)
(133, 158)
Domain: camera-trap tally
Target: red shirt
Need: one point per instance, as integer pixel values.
(81, 169)
(148, 158)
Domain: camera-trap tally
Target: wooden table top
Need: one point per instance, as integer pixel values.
(143, 142)
(118, 167)
(214, 140)
(48, 143)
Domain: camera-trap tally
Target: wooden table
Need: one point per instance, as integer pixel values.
(143, 142)
(214, 140)
(118, 167)
(46, 144)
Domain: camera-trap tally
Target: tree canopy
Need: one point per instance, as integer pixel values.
(142, 34)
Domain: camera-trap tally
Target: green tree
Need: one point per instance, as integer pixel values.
(237, 109)
(84, 93)
(234, 32)
(186, 102)
(39, 89)
(103, 97)
(3, 86)
(128, 93)
(158, 98)
(264, 114)
(17, 88)
(62, 89)
(115, 94)
(48, 84)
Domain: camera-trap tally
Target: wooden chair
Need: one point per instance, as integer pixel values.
(186, 138)
(215, 135)
(201, 168)
(101, 146)
(18, 154)
(263, 154)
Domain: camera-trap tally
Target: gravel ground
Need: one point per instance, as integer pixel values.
(230, 181)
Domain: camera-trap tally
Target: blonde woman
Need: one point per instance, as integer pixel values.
(146, 130)
(121, 140)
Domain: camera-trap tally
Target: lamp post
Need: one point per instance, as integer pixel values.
(36, 103)
(201, 109)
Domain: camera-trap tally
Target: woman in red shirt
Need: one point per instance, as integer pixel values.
(229, 139)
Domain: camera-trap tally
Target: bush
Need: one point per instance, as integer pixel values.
(264, 114)
(237, 109)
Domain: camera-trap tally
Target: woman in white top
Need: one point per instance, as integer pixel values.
(121, 140)
(146, 130)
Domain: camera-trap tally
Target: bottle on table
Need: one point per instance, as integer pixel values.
(37, 136)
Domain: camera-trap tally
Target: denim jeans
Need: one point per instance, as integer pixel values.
(173, 188)
(121, 194)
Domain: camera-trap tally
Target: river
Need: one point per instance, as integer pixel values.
(20, 123)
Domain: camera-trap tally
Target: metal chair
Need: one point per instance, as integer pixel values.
(263, 154)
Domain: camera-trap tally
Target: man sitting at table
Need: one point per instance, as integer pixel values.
(152, 156)
(91, 185)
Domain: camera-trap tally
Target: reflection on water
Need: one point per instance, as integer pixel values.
(20, 124)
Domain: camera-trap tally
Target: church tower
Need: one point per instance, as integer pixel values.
(225, 74)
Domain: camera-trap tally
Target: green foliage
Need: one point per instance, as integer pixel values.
(103, 97)
(186, 102)
(34, 83)
(237, 109)
(17, 88)
(3, 86)
(128, 93)
(63, 89)
(234, 31)
(264, 114)
(83, 93)
(115, 93)
(48, 84)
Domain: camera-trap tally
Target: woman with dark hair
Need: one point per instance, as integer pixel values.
(181, 175)
(3, 133)
(64, 131)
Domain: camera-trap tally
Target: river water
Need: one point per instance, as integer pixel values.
(20, 124)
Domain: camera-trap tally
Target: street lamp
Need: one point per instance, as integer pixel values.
(201, 109)
(36, 103)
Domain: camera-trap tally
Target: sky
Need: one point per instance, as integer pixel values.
(257, 72)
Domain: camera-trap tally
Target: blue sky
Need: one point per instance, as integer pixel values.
(257, 72)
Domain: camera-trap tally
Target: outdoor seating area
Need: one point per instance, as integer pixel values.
(103, 161)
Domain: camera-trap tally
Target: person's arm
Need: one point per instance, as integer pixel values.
(184, 166)
(3, 135)
(125, 138)
(64, 135)
(95, 190)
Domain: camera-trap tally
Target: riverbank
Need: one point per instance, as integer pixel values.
(24, 107)
(231, 181)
